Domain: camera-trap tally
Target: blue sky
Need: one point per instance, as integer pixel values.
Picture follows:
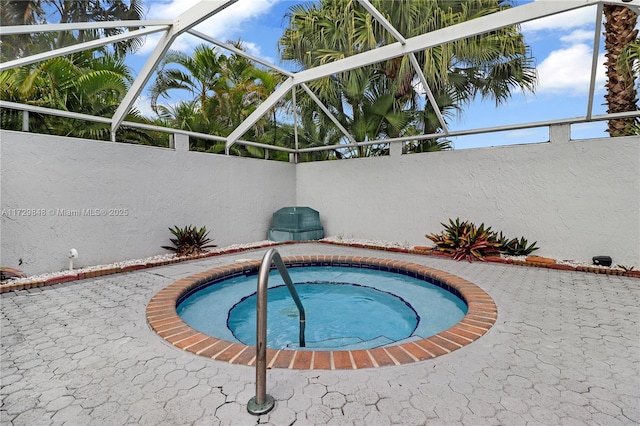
(561, 45)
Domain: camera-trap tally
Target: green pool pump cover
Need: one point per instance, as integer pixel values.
(296, 224)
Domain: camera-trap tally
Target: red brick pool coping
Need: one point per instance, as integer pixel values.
(481, 315)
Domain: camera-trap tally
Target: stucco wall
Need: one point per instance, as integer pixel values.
(233, 197)
(577, 199)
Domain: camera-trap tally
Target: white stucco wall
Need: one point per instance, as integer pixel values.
(233, 197)
(577, 199)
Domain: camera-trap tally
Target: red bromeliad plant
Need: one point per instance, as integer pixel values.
(463, 240)
(476, 244)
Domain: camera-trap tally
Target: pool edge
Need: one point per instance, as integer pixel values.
(481, 316)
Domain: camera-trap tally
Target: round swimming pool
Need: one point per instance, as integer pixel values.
(233, 307)
(346, 308)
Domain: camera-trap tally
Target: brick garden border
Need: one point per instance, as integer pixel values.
(426, 251)
(74, 276)
(481, 315)
(531, 261)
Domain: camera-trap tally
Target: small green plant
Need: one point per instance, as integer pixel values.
(515, 246)
(463, 240)
(189, 240)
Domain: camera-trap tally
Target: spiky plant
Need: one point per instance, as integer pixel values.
(189, 240)
(463, 240)
(516, 246)
(476, 243)
(449, 238)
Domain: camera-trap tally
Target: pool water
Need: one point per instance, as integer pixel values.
(346, 308)
(337, 314)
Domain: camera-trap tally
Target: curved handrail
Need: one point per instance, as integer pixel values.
(274, 256)
(263, 403)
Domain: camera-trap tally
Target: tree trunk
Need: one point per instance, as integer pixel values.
(621, 92)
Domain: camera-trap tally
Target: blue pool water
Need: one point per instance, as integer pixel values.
(346, 308)
(337, 314)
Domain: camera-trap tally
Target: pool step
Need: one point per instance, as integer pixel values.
(407, 340)
(340, 343)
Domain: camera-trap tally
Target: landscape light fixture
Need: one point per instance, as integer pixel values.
(73, 253)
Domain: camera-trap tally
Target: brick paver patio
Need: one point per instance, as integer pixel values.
(565, 349)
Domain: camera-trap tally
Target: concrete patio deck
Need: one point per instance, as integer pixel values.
(565, 349)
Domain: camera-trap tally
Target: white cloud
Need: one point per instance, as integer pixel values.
(225, 25)
(143, 103)
(183, 43)
(568, 71)
(563, 21)
(169, 9)
(256, 50)
(578, 36)
(187, 42)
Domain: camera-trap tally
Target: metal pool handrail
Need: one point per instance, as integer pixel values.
(263, 403)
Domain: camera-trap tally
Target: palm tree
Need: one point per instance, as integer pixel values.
(198, 73)
(81, 82)
(266, 82)
(629, 60)
(490, 65)
(224, 90)
(245, 87)
(70, 11)
(20, 12)
(208, 107)
(620, 37)
(49, 84)
(375, 113)
(314, 130)
(28, 12)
